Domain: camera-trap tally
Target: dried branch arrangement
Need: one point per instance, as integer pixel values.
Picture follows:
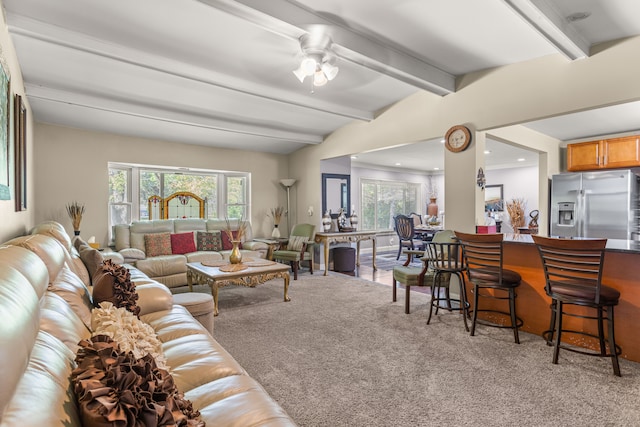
(515, 209)
(75, 211)
(240, 230)
(277, 214)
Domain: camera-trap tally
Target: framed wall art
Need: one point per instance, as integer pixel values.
(493, 198)
(5, 105)
(20, 153)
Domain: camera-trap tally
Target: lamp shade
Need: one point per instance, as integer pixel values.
(288, 182)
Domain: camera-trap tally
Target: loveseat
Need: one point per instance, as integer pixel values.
(47, 312)
(137, 243)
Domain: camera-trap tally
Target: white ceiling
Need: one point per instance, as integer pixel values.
(219, 72)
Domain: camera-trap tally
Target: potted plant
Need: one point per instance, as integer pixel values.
(75, 211)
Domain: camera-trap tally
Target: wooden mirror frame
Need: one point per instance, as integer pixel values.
(345, 194)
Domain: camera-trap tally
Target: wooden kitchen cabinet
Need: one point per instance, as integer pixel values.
(611, 153)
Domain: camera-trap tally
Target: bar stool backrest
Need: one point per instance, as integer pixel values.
(572, 262)
(482, 256)
(444, 252)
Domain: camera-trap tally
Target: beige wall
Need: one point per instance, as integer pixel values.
(71, 165)
(486, 101)
(16, 223)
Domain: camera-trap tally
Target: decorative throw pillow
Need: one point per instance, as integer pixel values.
(296, 243)
(209, 241)
(226, 243)
(131, 333)
(113, 388)
(113, 284)
(157, 244)
(182, 243)
(92, 259)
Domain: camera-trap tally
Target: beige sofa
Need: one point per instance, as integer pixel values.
(171, 270)
(44, 307)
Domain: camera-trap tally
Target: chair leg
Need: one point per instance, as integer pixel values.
(556, 347)
(447, 294)
(612, 342)
(311, 265)
(463, 300)
(552, 323)
(395, 284)
(406, 299)
(433, 295)
(475, 309)
(514, 318)
(603, 347)
(399, 250)
(294, 266)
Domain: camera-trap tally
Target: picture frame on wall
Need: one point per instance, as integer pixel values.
(20, 153)
(5, 125)
(493, 198)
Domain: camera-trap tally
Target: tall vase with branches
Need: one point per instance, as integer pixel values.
(75, 211)
(276, 214)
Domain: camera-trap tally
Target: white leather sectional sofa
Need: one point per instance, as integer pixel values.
(45, 306)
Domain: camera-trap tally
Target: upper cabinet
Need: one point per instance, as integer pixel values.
(605, 154)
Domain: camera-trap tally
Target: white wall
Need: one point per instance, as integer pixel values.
(16, 223)
(517, 183)
(72, 164)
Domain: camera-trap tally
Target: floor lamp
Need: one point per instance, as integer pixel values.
(288, 183)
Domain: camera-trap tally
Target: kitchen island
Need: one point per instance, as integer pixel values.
(621, 267)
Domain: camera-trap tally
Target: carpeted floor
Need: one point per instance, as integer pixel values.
(342, 354)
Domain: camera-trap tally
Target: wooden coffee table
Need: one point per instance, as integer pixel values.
(216, 275)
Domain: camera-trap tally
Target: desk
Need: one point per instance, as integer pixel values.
(347, 237)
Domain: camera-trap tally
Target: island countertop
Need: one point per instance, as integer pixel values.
(613, 245)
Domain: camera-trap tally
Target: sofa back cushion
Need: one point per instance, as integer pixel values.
(189, 224)
(47, 249)
(226, 241)
(182, 243)
(71, 289)
(221, 225)
(138, 229)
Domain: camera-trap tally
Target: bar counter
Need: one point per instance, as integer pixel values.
(621, 267)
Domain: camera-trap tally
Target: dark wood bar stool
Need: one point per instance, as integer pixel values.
(573, 274)
(446, 260)
(483, 259)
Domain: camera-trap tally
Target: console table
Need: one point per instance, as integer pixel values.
(346, 237)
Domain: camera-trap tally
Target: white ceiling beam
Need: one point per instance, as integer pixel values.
(292, 21)
(545, 18)
(188, 118)
(26, 27)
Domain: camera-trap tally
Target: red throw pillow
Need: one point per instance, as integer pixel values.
(226, 243)
(182, 243)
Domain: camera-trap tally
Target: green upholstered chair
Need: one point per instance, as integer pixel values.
(299, 248)
(421, 276)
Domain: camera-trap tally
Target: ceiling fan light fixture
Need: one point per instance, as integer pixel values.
(329, 70)
(319, 79)
(300, 74)
(308, 66)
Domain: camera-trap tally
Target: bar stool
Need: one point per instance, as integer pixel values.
(483, 259)
(446, 259)
(573, 274)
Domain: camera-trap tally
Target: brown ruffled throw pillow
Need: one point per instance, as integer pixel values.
(113, 284)
(113, 388)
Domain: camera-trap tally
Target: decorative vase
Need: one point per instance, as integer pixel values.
(276, 232)
(326, 221)
(432, 207)
(76, 232)
(235, 257)
(353, 219)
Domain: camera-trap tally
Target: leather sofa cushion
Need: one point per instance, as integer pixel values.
(70, 288)
(204, 256)
(58, 319)
(164, 265)
(43, 397)
(46, 248)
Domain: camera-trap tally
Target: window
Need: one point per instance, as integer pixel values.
(382, 200)
(131, 186)
(120, 206)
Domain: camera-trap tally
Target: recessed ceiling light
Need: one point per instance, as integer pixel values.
(436, 169)
(487, 151)
(442, 141)
(398, 164)
(521, 159)
(354, 157)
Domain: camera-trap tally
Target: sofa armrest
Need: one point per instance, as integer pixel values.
(153, 297)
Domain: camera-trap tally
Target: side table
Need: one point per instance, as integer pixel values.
(274, 245)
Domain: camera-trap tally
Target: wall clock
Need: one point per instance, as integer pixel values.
(457, 139)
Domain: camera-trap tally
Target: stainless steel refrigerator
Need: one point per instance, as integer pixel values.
(602, 204)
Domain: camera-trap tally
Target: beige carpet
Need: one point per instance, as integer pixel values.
(342, 354)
